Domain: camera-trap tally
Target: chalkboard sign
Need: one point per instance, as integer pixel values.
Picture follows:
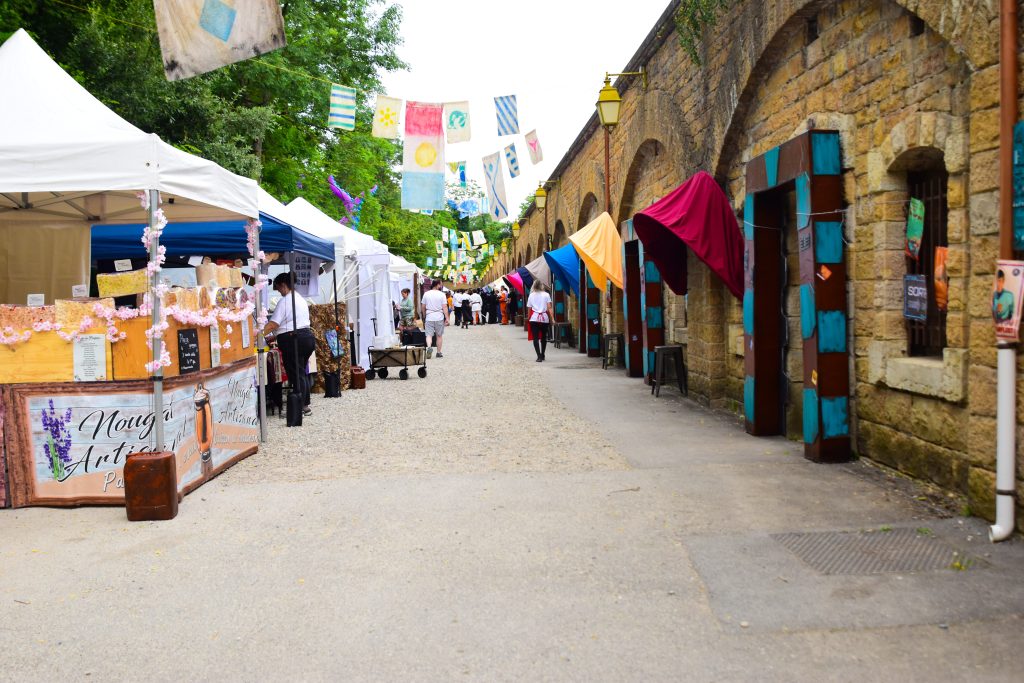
(188, 351)
(915, 297)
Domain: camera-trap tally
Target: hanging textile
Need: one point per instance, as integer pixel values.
(385, 117)
(423, 157)
(197, 36)
(458, 169)
(456, 122)
(479, 239)
(513, 160)
(565, 265)
(343, 108)
(495, 185)
(536, 154)
(600, 247)
(526, 276)
(539, 269)
(508, 115)
(696, 215)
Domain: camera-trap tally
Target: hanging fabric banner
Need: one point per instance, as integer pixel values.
(513, 160)
(940, 279)
(423, 157)
(479, 238)
(197, 36)
(385, 117)
(458, 169)
(444, 255)
(343, 108)
(536, 154)
(508, 115)
(438, 246)
(495, 187)
(456, 122)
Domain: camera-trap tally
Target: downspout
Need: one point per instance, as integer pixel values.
(1006, 421)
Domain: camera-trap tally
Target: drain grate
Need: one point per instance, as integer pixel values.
(874, 552)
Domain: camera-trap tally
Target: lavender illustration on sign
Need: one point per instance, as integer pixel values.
(58, 440)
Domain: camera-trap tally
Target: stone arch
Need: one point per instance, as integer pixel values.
(644, 155)
(540, 245)
(588, 210)
(558, 237)
(529, 254)
(963, 24)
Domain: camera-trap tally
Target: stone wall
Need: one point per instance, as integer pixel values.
(905, 82)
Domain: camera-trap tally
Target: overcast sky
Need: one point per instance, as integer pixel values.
(551, 54)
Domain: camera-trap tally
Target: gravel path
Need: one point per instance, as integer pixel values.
(470, 414)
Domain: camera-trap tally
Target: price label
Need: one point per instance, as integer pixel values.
(195, 260)
(122, 264)
(79, 291)
(36, 299)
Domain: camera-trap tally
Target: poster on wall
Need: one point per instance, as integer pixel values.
(915, 297)
(1018, 186)
(915, 228)
(940, 279)
(70, 449)
(1006, 298)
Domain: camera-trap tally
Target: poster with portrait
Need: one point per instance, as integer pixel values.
(1006, 298)
(915, 228)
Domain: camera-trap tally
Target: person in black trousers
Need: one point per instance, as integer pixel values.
(294, 338)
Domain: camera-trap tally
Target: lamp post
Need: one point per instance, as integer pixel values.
(609, 105)
(515, 238)
(540, 198)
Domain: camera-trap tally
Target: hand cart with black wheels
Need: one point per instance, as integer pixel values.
(402, 357)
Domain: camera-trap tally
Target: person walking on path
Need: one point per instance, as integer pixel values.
(435, 316)
(477, 303)
(457, 301)
(503, 302)
(541, 314)
(294, 338)
(466, 309)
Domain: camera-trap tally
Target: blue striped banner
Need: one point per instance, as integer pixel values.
(508, 115)
(513, 160)
(343, 108)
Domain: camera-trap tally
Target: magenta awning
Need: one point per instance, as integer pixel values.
(696, 215)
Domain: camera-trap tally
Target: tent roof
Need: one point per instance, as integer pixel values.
(526, 276)
(600, 246)
(565, 265)
(696, 215)
(320, 224)
(516, 281)
(539, 269)
(399, 266)
(208, 238)
(66, 155)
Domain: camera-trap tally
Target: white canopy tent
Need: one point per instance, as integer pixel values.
(364, 280)
(403, 276)
(66, 161)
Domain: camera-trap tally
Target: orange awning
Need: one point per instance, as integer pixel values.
(600, 246)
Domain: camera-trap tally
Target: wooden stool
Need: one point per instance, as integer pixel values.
(557, 330)
(619, 358)
(663, 354)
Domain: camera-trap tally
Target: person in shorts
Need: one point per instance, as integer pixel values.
(435, 316)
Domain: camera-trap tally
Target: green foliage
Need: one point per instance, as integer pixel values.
(692, 18)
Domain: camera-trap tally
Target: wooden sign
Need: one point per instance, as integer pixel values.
(915, 297)
(188, 351)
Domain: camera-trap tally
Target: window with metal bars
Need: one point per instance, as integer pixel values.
(928, 338)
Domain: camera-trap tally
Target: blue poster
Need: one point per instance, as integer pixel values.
(1018, 186)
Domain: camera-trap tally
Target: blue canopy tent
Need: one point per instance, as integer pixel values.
(527, 277)
(565, 265)
(208, 239)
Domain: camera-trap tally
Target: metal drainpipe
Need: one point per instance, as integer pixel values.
(1006, 422)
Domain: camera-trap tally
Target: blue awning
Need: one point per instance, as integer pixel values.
(527, 277)
(217, 238)
(565, 265)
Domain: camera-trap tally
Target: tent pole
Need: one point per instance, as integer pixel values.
(261, 348)
(158, 373)
(295, 382)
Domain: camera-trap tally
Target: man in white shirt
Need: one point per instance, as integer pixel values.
(457, 298)
(294, 338)
(435, 315)
(477, 302)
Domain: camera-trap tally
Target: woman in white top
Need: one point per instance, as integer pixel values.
(541, 317)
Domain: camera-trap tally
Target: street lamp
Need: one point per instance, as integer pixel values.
(609, 106)
(540, 198)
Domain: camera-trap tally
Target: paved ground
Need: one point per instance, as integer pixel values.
(581, 530)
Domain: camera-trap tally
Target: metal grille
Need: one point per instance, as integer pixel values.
(875, 552)
(929, 338)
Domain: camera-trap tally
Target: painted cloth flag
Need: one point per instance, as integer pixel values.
(479, 238)
(197, 36)
(423, 157)
(430, 260)
(536, 153)
(495, 186)
(438, 246)
(444, 255)
(915, 228)
(343, 108)
(513, 160)
(490, 250)
(444, 234)
(385, 117)
(458, 169)
(508, 115)
(456, 121)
